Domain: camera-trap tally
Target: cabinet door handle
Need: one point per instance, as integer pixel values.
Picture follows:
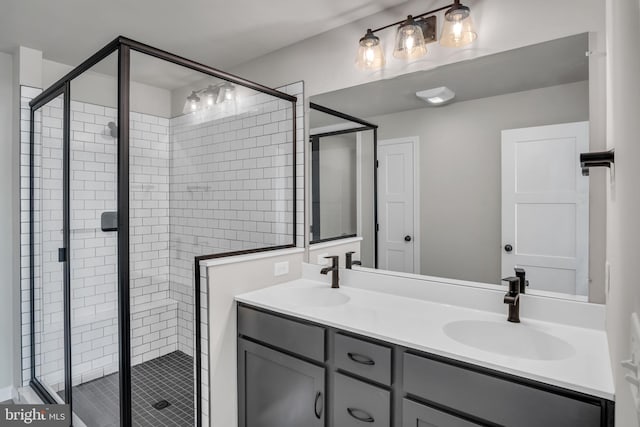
(316, 411)
(360, 415)
(359, 358)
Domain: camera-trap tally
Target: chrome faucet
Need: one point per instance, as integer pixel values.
(349, 262)
(333, 269)
(513, 299)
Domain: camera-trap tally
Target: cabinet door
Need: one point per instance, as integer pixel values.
(277, 390)
(418, 415)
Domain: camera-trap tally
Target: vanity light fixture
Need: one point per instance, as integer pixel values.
(415, 32)
(218, 94)
(437, 96)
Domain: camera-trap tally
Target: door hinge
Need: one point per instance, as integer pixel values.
(377, 227)
(377, 163)
(62, 254)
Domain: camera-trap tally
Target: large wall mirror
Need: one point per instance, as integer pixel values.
(477, 170)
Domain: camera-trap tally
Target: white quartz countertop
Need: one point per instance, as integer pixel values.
(418, 324)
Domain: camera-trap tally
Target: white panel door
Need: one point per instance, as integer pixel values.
(397, 240)
(545, 206)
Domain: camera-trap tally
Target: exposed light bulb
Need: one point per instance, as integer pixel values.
(369, 54)
(409, 42)
(457, 30)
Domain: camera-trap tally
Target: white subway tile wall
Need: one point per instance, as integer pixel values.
(93, 252)
(231, 189)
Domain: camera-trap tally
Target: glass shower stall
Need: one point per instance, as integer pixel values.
(139, 165)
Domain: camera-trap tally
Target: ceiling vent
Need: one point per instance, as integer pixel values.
(436, 96)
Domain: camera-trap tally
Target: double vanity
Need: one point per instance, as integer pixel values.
(385, 350)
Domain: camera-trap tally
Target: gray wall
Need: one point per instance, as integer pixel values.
(102, 89)
(459, 168)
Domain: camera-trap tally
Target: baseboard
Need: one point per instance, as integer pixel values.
(6, 393)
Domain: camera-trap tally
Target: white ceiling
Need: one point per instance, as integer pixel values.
(219, 33)
(547, 64)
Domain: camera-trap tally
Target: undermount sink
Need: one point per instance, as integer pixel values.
(316, 297)
(509, 339)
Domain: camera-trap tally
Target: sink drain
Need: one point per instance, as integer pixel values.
(161, 404)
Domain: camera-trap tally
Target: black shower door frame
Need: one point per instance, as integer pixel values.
(123, 46)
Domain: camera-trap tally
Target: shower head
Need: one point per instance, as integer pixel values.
(113, 129)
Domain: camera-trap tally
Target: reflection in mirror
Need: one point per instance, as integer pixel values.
(472, 187)
(342, 178)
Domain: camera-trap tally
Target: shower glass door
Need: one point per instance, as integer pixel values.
(93, 237)
(48, 278)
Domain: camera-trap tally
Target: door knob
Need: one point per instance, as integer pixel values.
(407, 238)
(508, 248)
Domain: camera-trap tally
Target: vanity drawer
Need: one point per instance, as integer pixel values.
(415, 414)
(494, 399)
(356, 403)
(363, 358)
(297, 337)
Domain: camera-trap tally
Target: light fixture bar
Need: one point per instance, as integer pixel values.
(422, 15)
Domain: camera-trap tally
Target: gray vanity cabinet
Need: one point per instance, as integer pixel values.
(277, 390)
(294, 373)
(417, 415)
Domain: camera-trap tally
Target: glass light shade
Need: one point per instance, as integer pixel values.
(227, 92)
(409, 41)
(192, 104)
(210, 94)
(370, 54)
(457, 30)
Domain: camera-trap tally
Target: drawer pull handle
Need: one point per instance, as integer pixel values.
(360, 415)
(359, 358)
(316, 411)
